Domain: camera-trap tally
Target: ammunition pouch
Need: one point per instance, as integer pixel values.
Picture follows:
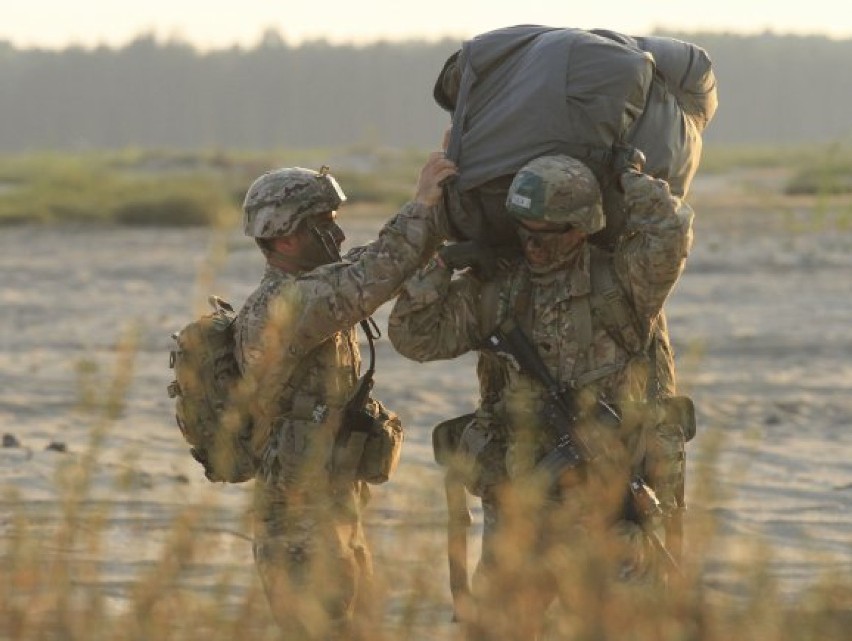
(473, 449)
(369, 445)
(297, 451)
(665, 457)
(680, 410)
(446, 438)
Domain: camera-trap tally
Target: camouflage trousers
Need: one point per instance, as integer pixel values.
(537, 551)
(312, 557)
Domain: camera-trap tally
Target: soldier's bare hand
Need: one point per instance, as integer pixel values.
(436, 170)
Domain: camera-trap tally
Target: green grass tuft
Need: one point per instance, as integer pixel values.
(179, 188)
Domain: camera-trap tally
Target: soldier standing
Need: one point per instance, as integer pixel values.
(296, 347)
(590, 316)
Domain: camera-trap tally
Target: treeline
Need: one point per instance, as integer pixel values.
(772, 89)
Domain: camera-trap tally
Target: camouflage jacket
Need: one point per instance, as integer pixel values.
(296, 343)
(440, 317)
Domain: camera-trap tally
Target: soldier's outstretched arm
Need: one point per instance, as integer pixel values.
(436, 317)
(652, 252)
(336, 296)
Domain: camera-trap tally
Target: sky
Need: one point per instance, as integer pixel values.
(217, 24)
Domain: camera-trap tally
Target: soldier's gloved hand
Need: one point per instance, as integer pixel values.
(469, 253)
(626, 158)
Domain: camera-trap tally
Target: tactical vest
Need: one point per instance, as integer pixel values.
(608, 306)
(297, 394)
(309, 410)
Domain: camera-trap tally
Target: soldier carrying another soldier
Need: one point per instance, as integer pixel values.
(561, 294)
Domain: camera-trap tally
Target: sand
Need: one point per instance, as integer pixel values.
(760, 322)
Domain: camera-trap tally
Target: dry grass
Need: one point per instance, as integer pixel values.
(51, 587)
(54, 583)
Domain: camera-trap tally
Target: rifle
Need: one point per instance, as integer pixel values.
(571, 450)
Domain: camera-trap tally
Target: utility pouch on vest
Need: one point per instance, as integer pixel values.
(446, 437)
(369, 443)
(481, 459)
(297, 452)
(372, 445)
(680, 410)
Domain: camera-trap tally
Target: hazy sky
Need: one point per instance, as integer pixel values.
(217, 24)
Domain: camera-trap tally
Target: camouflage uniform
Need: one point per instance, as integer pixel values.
(296, 343)
(440, 317)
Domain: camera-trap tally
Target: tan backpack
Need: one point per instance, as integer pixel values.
(206, 375)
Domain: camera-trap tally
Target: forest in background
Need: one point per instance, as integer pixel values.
(773, 89)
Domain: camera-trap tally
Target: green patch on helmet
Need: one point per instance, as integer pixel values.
(526, 196)
(557, 189)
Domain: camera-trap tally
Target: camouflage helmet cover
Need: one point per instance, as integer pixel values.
(557, 189)
(279, 200)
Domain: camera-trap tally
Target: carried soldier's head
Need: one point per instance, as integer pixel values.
(556, 203)
(290, 212)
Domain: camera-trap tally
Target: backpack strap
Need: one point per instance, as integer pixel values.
(615, 312)
(652, 385)
(489, 304)
(612, 309)
(581, 312)
(496, 297)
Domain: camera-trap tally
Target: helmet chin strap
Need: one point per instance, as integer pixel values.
(287, 262)
(330, 239)
(326, 239)
(557, 255)
(322, 249)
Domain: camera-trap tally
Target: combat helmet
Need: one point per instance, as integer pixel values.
(279, 200)
(557, 189)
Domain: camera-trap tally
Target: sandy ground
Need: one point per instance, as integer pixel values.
(760, 320)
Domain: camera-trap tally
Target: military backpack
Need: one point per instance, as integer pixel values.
(211, 420)
(527, 91)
